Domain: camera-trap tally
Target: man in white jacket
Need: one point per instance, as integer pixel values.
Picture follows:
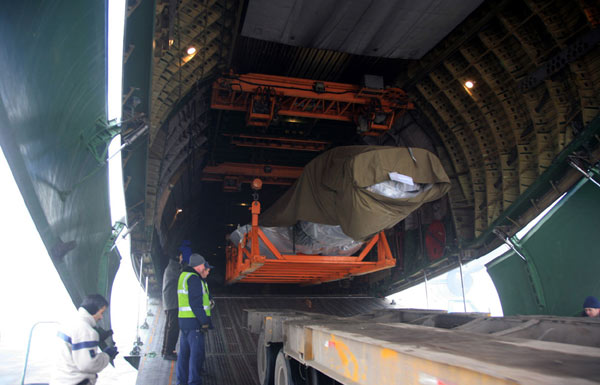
(79, 358)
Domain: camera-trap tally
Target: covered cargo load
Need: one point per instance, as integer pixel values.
(335, 188)
(347, 195)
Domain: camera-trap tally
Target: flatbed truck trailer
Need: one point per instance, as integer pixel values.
(395, 346)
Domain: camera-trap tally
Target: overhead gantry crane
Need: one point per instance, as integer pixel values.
(372, 108)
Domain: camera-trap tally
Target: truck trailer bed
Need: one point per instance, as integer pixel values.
(411, 347)
(230, 347)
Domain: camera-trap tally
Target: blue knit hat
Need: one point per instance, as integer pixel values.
(592, 302)
(186, 251)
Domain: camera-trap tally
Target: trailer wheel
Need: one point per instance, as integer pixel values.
(265, 360)
(283, 372)
(313, 374)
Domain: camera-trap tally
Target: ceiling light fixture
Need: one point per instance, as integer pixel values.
(177, 212)
(188, 55)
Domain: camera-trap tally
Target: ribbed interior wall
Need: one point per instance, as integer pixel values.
(499, 137)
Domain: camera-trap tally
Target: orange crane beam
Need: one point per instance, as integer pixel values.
(234, 174)
(242, 140)
(264, 96)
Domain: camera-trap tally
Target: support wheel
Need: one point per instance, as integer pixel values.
(265, 360)
(313, 375)
(283, 372)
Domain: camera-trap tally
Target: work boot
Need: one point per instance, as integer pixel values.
(170, 357)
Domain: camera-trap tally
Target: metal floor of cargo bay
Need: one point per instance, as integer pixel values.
(230, 347)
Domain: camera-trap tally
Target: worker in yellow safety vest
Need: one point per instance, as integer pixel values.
(194, 319)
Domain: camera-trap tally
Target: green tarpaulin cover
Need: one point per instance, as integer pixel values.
(333, 190)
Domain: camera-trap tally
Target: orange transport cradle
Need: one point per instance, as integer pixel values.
(245, 264)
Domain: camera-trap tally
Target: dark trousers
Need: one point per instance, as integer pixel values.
(171, 332)
(191, 357)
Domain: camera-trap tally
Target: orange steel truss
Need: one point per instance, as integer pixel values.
(245, 264)
(264, 96)
(242, 140)
(246, 172)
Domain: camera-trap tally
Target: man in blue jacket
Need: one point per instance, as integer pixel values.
(194, 319)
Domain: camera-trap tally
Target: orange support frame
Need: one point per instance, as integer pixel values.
(247, 172)
(245, 264)
(263, 96)
(278, 143)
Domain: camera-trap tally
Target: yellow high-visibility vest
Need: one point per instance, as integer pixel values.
(185, 311)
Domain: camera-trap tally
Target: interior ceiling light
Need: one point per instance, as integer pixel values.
(189, 55)
(469, 84)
